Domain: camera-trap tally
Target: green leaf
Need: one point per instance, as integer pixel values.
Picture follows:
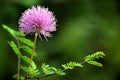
(15, 76)
(21, 34)
(27, 42)
(11, 31)
(48, 70)
(94, 56)
(25, 69)
(60, 72)
(28, 49)
(15, 49)
(71, 65)
(28, 60)
(22, 78)
(52, 70)
(31, 71)
(98, 55)
(95, 63)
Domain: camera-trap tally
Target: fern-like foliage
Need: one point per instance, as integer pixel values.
(93, 56)
(31, 70)
(27, 45)
(51, 70)
(90, 58)
(71, 65)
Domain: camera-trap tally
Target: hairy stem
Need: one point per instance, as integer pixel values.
(19, 62)
(33, 50)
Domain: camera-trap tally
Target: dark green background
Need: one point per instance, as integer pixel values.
(84, 27)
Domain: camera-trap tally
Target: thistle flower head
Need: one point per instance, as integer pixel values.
(38, 20)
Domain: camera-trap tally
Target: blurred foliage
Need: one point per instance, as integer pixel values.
(84, 26)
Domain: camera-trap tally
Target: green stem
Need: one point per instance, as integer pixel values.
(18, 71)
(19, 62)
(33, 50)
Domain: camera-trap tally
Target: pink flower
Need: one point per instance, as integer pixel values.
(38, 19)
